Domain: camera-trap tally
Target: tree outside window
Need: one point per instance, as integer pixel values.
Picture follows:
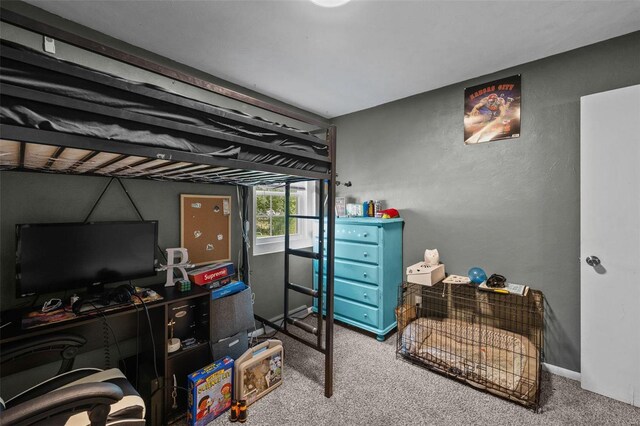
(268, 221)
(270, 211)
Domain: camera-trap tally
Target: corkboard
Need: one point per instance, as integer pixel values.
(205, 227)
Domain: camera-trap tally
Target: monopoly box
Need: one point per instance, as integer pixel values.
(210, 392)
(219, 283)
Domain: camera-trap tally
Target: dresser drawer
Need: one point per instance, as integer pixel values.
(353, 271)
(367, 253)
(354, 291)
(357, 233)
(363, 314)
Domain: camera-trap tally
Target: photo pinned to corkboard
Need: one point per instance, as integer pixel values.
(205, 227)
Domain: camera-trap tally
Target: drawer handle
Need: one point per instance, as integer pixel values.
(366, 316)
(365, 254)
(365, 235)
(364, 275)
(365, 295)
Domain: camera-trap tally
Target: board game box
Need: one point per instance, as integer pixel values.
(210, 392)
(209, 273)
(218, 283)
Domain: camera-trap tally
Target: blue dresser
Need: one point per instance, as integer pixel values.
(368, 271)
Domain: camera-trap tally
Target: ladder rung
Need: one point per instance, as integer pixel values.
(299, 216)
(302, 289)
(301, 253)
(303, 325)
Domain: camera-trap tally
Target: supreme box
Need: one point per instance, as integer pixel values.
(210, 392)
(424, 274)
(210, 273)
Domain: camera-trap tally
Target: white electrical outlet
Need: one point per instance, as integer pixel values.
(49, 45)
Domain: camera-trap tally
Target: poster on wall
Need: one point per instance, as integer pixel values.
(492, 111)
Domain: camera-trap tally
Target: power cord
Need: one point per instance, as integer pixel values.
(106, 344)
(246, 225)
(132, 289)
(106, 327)
(153, 341)
(170, 387)
(35, 299)
(267, 337)
(136, 381)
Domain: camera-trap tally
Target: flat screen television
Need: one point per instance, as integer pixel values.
(63, 256)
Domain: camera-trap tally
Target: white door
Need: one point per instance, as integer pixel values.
(610, 243)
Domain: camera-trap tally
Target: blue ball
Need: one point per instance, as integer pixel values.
(477, 275)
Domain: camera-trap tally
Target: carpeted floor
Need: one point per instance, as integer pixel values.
(372, 387)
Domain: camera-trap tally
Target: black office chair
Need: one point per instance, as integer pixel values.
(85, 396)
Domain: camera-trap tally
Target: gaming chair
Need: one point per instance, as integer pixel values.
(85, 396)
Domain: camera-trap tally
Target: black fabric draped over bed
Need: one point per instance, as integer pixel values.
(86, 102)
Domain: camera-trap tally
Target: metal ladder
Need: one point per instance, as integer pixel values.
(324, 254)
(317, 330)
(318, 256)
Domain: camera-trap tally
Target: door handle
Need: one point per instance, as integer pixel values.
(593, 261)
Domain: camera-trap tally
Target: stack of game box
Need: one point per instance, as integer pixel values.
(213, 276)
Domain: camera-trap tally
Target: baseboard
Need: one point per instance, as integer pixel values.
(562, 372)
(260, 331)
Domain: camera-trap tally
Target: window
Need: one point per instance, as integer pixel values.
(269, 212)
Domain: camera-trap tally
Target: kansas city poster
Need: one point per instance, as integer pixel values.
(492, 111)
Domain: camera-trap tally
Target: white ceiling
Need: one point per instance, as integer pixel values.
(333, 61)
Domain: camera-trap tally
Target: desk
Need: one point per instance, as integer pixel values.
(125, 325)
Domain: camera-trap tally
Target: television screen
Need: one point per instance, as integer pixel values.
(63, 256)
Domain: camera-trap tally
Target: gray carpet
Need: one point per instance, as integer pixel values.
(372, 387)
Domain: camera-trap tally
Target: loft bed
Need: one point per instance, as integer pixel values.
(61, 117)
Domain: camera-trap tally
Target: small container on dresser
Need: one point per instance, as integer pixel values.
(368, 272)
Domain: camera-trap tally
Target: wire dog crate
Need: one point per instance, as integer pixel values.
(491, 341)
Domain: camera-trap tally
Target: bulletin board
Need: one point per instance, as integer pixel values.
(205, 227)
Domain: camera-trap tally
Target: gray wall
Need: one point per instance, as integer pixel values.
(21, 195)
(40, 198)
(511, 207)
